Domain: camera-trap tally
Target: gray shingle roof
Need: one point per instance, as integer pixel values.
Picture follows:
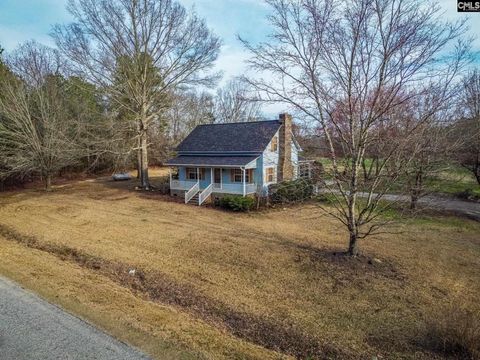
(226, 161)
(235, 137)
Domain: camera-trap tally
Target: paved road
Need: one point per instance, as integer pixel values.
(466, 208)
(448, 204)
(32, 329)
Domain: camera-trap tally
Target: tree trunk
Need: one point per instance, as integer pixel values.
(144, 179)
(417, 190)
(353, 244)
(476, 172)
(352, 217)
(366, 175)
(413, 201)
(139, 159)
(48, 182)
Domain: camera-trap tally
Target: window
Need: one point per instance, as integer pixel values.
(274, 144)
(174, 173)
(269, 175)
(236, 175)
(192, 173)
(304, 170)
(249, 175)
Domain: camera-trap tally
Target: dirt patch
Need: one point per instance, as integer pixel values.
(346, 270)
(156, 286)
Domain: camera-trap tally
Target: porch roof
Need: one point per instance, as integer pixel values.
(213, 161)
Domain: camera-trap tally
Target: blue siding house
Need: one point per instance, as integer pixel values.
(237, 158)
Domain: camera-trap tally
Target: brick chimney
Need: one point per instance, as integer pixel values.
(285, 166)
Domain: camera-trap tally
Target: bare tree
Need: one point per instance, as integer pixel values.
(468, 128)
(349, 69)
(235, 103)
(427, 155)
(188, 110)
(37, 136)
(139, 50)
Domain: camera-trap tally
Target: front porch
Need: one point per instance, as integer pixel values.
(217, 187)
(197, 184)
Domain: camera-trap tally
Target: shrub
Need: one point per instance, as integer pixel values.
(291, 191)
(455, 331)
(237, 203)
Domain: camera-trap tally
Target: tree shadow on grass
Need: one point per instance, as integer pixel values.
(345, 269)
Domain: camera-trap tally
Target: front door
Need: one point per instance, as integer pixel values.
(217, 177)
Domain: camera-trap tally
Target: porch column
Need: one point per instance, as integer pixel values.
(170, 175)
(211, 175)
(198, 176)
(244, 183)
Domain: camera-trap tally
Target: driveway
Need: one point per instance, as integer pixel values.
(31, 328)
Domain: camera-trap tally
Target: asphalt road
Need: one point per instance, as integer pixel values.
(446, 204)
(442, 203)
(33, 329)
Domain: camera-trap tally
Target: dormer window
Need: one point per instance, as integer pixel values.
(274, 144)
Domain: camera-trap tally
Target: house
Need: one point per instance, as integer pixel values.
(237, 158)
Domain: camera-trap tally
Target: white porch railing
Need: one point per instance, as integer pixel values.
(192, 192)
(191, 188)
(205, 194)
(235, 188)
(181, 185)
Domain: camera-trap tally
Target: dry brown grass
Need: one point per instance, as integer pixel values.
(453, 330)
(276, 266)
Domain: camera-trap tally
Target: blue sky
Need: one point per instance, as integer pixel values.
(22, 20)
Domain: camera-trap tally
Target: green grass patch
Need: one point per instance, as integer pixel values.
(454, 180)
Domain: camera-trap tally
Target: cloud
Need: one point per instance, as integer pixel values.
(11, 37)
(231, 62)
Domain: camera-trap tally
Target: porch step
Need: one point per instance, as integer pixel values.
(194, 200)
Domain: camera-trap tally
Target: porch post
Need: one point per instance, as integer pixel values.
(244, 184)
(211, 175)
(170, 175)
(198, 176)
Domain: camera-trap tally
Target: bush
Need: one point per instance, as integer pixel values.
(455, 331)
(237, 203)
(291, 191)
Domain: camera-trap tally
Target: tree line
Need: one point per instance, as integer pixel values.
(127, 80)
(385, 89)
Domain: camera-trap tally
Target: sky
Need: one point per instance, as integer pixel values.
(22, 20)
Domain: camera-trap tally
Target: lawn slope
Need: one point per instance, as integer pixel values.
(221, 285)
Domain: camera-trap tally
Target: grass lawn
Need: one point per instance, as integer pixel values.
(211, 284)
(454, 180)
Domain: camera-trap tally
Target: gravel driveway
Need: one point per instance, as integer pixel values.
(31, 328)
